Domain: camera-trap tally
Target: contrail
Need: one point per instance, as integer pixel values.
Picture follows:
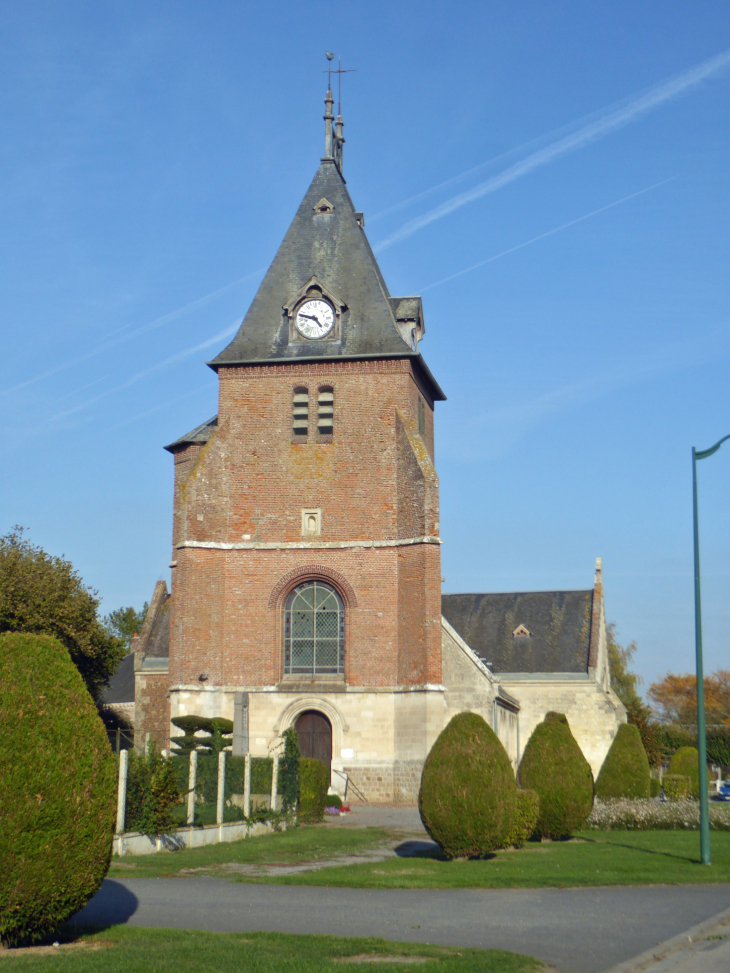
(113, 342)
(541, 236)
(604, 125)
(162, 405)
(172, 360)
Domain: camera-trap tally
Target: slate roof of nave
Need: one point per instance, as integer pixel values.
(332, 247)
(558, 623)
(120, 688)
(201, 434)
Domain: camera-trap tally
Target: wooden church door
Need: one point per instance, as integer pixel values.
(315, 736)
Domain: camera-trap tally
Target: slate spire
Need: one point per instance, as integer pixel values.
(326, 249)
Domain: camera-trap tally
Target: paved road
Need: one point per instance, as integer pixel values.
(577, 930)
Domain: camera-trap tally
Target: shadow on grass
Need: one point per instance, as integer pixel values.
(646, 851)
(432, 851)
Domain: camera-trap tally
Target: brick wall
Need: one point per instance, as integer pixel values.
(246, 489)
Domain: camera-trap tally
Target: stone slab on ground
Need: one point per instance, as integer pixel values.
(584, 930)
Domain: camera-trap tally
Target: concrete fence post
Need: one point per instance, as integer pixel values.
(122, 790)
(247, 786)
(274, 781)
(192, 783)
(221, 788)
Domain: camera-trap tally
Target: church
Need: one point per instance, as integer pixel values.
(306, 562)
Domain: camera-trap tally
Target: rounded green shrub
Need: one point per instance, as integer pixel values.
(468, 792)
(625, 771)
(58, 789)
(676, 787)
(527, 810)
(553, 765)
(314, 782)
(685, 763)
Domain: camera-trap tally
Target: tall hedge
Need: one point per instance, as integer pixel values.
(625, 771)
(554, 766)
(685, 763)
(314, 782)
(468, 793)
(58, 789)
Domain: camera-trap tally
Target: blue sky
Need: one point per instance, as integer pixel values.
(552, 177)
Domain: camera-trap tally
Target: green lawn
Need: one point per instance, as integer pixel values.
(124, 949)
(591, 858)
(307, 843)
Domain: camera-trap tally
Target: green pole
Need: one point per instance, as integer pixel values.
(701, 737)
(701, 733)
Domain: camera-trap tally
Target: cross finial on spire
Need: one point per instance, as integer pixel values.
(334, 139)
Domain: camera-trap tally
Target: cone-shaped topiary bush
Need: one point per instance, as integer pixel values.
(58, 790)
(527, 811)
(554, 766)
(685, 763)
(468, 791)
(625, 771)
(314, 782)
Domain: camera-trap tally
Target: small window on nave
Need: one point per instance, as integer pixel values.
(325, 411)
(300, 414)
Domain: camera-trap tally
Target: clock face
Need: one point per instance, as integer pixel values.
(315, 319)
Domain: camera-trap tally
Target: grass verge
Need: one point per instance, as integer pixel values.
(124, 949)
(591, 858)
(307, 843)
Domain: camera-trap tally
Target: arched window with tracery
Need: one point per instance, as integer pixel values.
(314, 630)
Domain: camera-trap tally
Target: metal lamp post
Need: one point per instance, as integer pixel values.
(701, 738)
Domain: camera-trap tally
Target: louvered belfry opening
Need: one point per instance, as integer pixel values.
(300, 414)
(325, 411)
(314, 630)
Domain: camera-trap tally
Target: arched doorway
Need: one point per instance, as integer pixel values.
(315, 735)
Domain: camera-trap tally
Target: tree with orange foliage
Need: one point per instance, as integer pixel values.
(674, 699)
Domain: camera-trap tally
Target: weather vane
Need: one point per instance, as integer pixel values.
(339, 71)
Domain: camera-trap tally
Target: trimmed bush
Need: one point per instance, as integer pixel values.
(152, 792)
(527, 811)
(655, 787)
(218, 728)
(334, 800)
(554, 766)
(685, 763)
(625, 771)
(58, 789)
(468, 792)
(676, 787)
(314, 782)
(262, 774)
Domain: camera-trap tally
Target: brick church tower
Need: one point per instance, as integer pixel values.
(306, 578)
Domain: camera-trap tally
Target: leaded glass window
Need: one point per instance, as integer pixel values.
(314, 630)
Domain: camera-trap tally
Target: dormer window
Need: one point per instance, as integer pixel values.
(520, 633)
(323, 207)
(300, 414)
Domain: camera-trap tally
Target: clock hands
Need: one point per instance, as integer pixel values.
(312, 317)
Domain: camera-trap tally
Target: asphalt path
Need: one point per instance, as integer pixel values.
(583, 930)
